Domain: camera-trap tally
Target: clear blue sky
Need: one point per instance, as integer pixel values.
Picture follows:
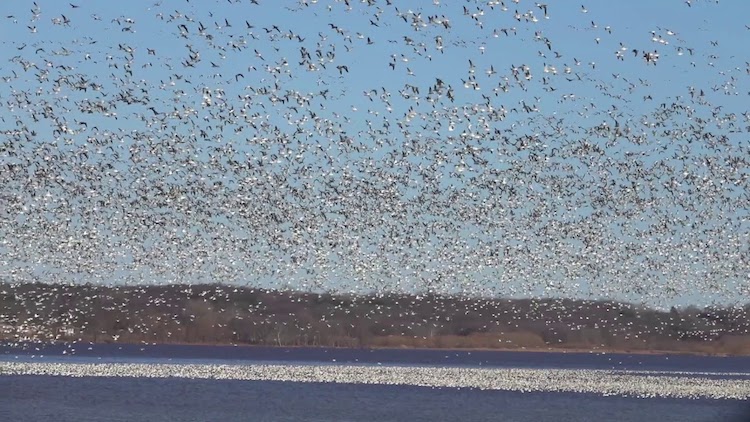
(700, 46)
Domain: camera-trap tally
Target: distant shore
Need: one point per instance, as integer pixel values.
(563, 350)
(216, 314)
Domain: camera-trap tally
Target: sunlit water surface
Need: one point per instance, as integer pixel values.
(43, 397)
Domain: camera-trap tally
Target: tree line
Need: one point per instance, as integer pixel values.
(222, 314)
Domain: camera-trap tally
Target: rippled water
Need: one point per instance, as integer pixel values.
(35, 398)
(39, 397)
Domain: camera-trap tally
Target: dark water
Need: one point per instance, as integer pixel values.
(114, 352)
(41, 398)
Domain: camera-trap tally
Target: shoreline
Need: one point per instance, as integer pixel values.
(604, 351)
(251, 317)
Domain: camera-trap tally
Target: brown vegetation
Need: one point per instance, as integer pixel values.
(218, 314)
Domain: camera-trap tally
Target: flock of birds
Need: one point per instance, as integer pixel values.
(481, 148)
(629, 383)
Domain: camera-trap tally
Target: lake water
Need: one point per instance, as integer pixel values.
(500, 359)
(59, 398)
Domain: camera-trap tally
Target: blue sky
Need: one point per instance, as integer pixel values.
(699, 46)
(570, 31)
